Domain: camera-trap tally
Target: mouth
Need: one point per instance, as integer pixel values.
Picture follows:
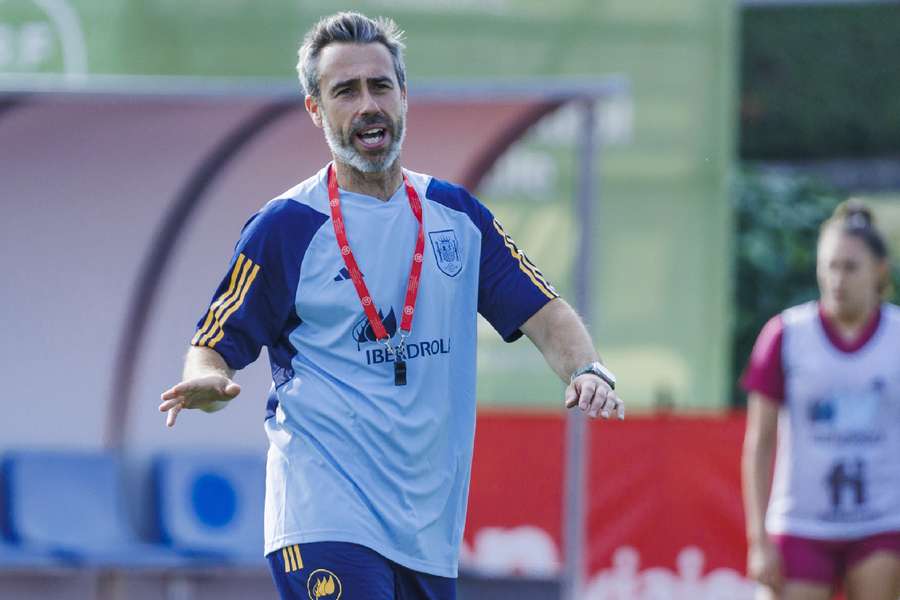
(373, 138)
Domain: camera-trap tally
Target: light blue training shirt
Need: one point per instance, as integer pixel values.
(353, 457)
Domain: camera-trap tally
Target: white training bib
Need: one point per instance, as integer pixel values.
(837, 475)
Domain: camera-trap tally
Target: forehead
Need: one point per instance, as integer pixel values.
(341, 61)
(837, 245)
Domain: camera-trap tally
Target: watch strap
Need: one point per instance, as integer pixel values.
(597, 369)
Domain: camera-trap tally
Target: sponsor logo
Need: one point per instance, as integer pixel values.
(363, 332)
(446, 251)
(343, 275)
(323, 585)
(848, 416)
(848, 489)
(414, 350)
(529, 550)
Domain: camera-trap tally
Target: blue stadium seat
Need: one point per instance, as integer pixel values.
(15, 557)
(212, 503)
(72, 504)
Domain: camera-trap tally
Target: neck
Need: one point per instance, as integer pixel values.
(381, 185)
(849, 325)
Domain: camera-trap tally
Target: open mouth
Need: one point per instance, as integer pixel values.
(372, 138)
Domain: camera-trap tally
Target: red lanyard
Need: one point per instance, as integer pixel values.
(415, 271)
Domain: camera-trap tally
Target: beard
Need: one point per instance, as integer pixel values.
(345, 151)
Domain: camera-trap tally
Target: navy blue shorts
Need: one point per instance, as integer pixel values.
(342, 571)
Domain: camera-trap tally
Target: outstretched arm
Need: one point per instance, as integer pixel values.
(763, 559)
(562, 338)
(205, 384)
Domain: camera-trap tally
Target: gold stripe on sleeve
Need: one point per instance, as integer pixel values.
(224, 297)
(536, 271)
(212, 343)
(284, 555)
(225, 306)
(521, 256)
(299, 558)
(525, 265)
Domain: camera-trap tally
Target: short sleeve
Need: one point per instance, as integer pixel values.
(255, 298)
(510, 287)
(765, 372)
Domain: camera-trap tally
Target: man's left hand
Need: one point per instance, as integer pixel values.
(594, 396)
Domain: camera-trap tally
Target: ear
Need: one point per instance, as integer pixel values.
(312, 108)
(884, 273)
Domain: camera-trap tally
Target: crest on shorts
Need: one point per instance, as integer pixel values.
(446, 251)
(323, 585)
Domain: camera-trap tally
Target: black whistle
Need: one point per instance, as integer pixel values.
(400, 372)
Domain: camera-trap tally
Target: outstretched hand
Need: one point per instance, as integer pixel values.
(206, 393)
(595, 397)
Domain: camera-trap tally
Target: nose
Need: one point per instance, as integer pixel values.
(368, 103)
(839, 279)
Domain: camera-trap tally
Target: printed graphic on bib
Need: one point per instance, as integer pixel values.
(847, 485)
(848, 416)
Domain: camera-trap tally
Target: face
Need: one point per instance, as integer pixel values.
(362, 108)
(849, 275)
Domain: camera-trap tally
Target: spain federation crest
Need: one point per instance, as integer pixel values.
(447, 252)
(323, 585)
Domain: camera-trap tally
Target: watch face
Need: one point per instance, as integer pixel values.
(605, 373)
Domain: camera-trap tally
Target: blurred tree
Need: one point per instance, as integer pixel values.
(777, 220)
(820, 81)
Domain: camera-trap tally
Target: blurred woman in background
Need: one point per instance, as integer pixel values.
(825, 377)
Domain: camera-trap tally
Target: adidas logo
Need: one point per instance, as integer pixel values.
(343, 275)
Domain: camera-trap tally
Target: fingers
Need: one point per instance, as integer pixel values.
(764, 566)
(594, 396)
(586, 394)
(199, 391)
(772, 576)
(173, 414)
(571, 396)
(185, 387)
(617, 407)
(172, 406)
(169, 404)
(770, 579)
(196, 393)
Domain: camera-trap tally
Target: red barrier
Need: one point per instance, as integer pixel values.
(664, 503)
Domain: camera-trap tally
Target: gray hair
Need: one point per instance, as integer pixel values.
(350, 27)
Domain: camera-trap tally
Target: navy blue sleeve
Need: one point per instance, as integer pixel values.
(510, 287)
(255, 299)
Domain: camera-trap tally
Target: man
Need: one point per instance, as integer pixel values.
(371, 417)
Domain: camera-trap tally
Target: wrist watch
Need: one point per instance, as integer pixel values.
(597, 369)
